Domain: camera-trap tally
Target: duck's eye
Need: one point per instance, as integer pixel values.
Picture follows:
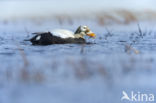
(83, 29)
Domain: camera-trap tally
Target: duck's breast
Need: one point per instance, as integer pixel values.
(63, 33)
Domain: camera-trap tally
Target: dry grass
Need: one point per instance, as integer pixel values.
(129, 49)
(63, 19)
(82, 49)
(124, 16)
(23, 55)
(106, 19)
(108, 34)
(24, 71)
(27, 32)
(128, 16)
(85, 69)
(103, 18)
(120, 17)
(24, 74)
(136, 37)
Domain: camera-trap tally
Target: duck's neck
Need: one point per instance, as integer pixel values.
(79, 36)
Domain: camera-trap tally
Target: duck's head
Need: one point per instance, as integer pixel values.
(84, 31)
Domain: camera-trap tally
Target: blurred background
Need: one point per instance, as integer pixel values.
(13, 9)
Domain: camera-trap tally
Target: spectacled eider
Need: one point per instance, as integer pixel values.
(61, 36)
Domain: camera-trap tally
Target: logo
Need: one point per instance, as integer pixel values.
(137, 96)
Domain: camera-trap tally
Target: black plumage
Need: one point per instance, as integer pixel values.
(48, 38)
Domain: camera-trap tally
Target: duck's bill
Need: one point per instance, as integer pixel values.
(91, 34)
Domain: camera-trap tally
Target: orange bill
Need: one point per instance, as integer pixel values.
(91, 34)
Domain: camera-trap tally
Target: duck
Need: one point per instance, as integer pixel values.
(62, 36)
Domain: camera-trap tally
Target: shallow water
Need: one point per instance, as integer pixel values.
(120, 59)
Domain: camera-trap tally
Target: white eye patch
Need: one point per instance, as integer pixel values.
(38, 37)
(83, 29)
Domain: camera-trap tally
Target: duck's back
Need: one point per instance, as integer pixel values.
(62, 33)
